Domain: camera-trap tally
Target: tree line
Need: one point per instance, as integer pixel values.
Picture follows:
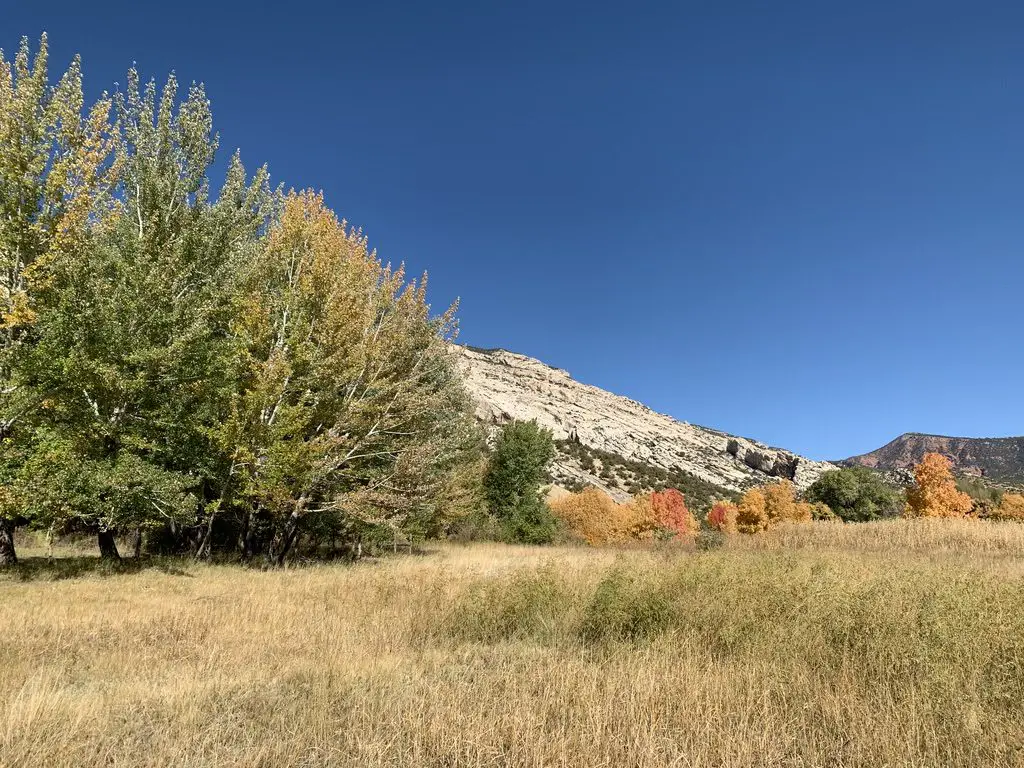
(207, 369)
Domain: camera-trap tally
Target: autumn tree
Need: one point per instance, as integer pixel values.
(934, 493)
(672, 515)
(1010, 508)
(593, 516)
(752, 512)
(723, 516)
(780, 502)
(350, 412)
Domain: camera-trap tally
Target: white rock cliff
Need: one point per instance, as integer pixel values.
(507, 386)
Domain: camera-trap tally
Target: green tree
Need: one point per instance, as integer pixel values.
(55, 180)
(522, 452)
(131, 340)
(224, 368)
(856, 494)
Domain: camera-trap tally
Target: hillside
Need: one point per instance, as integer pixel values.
(616, 443)
(1000, 459)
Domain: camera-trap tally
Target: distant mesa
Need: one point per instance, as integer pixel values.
(999, 459)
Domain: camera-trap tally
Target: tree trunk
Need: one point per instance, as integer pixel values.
(108, 547)
(8, 556)
(291, 528)
(137, 544)
(245, 539)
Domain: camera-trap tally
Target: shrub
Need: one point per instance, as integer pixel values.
(626, 607)
(706, 541)
(856, 494)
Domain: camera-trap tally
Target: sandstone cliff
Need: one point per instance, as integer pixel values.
(507, 386)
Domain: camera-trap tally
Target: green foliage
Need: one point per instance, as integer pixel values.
(627, 606)
(856, 494)
(232, 368)
(520, 607)
(522, 452)
(984, 495)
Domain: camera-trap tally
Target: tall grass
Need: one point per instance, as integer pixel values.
(831, 646)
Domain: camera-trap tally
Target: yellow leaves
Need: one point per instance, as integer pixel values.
(598, 519)
(1011, 508)
(752, 512)
(61, 180)
(592, 515)
(18, 314)
(761, 508)
(935, 493)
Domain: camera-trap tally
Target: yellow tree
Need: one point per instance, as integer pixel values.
(591, 515)
(752, 512)
(780, 502)
(934, 493)
(351, 413)
(1011, 508)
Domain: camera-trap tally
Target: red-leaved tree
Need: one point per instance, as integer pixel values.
(671, 513)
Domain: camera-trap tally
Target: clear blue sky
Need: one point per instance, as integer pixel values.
(802, 222)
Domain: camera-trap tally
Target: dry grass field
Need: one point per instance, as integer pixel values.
(889, 644)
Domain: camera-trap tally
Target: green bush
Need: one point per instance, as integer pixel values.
(856, 494)
(626, 606)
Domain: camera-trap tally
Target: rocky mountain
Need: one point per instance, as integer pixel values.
(616, 443)
(999, 459)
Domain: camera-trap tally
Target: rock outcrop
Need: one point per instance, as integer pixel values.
(508, 386)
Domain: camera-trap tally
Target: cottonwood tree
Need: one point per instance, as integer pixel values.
(131, 346)
(522, 452)
(55, 179)
(350, 410)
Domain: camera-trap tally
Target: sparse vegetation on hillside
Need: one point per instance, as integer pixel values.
(635, 477)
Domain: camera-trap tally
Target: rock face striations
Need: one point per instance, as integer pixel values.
(507, 386)
(1000, 459)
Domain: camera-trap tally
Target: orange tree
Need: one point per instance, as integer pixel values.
(934, 493)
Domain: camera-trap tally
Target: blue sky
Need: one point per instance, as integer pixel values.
(800, 222)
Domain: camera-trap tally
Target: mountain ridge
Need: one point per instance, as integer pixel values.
(1000, 459)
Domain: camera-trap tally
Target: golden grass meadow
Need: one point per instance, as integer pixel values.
(895, 643)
